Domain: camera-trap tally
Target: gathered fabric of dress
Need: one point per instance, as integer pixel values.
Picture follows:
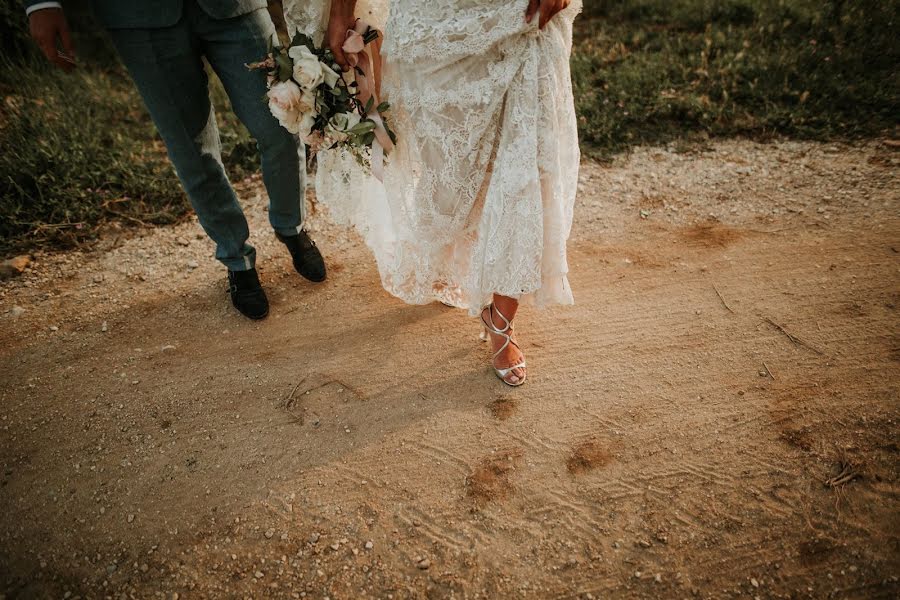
(479, 193)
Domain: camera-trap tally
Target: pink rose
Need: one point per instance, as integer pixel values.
(289, 105)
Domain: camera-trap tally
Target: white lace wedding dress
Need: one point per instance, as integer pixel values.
(478, 194)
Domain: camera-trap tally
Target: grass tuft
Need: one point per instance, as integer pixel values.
(652, 71)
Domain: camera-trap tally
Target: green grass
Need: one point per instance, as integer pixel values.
(653, 71)
(75, 151)
(79, 150)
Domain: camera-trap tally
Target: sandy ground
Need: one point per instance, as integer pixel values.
(717, 417)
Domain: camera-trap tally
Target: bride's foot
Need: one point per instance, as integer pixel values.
(508, 360)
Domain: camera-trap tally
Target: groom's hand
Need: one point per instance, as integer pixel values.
(340, 21)
(47, 26)
(548, 9)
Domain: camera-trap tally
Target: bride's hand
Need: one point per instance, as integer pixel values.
(548, 9)
(340, 21)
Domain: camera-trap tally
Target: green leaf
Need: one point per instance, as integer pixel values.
(362, 127)
(390, 132)
(301, 39)
(284, 67)
(371, 35)
(369, 105)
(384, 107)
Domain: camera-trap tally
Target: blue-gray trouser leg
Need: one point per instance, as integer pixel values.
(167, 67)
(228, 46)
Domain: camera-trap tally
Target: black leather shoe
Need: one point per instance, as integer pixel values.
(247, 294)
(307, 259)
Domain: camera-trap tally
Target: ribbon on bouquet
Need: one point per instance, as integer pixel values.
(368, 83)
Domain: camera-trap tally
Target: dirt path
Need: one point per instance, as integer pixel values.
(717, 417)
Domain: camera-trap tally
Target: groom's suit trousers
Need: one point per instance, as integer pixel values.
(167, 65)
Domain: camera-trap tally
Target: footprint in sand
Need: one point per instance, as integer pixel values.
(504, 407)
(490, 481)
(587, 456)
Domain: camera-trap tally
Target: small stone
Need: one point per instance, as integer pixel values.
(369, 545)
(335, 546)
(658, 578)
(104, 327)
(259, 574)
(423, 563)
(111, 569)
(16, 311)
(182, 241)
(98, 278)
(754, 582)
(192, 264)
(167, 348)
(644, 544)
(314, 538)
(144, 568)
(131, 518)
(54, 328)
(269, 533)
(14, 266)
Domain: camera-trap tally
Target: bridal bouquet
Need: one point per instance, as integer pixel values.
(311, 97)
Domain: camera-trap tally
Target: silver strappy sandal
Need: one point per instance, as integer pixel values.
(505, 333)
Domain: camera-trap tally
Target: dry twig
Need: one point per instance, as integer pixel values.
(725, 304)
(289, 401)
(792, 337)
(847, 474)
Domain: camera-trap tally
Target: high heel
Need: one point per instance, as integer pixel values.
(506, 333)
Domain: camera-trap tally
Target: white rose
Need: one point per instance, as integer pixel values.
(331, 77)
(286, 103)
(307, 68)
(333, 135)
(345, 121)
